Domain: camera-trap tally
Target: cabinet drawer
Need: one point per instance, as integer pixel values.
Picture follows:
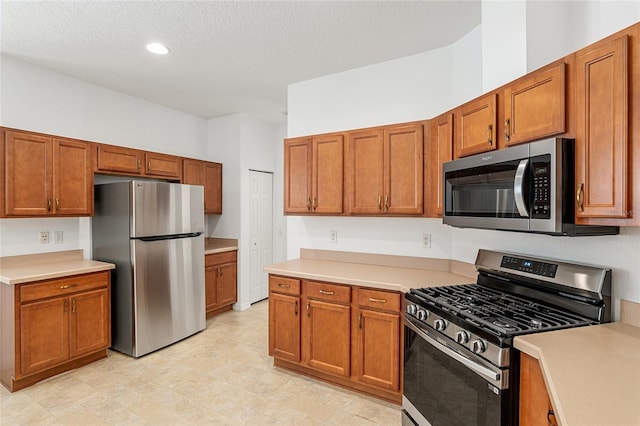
(220, 258)
(377, 299)
(284, 285)
(328, 292)
(62, 286)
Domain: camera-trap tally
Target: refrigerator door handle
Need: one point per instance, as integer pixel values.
(169, 237)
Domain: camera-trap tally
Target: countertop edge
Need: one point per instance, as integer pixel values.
(88, 266)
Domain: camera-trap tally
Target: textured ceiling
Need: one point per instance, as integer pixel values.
(226, 56)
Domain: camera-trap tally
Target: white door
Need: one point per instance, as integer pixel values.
(261, 232)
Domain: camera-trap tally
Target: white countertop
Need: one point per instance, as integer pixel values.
(592, 373)
(44, 266)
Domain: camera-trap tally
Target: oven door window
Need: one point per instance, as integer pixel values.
(488, 191)
(445, 392)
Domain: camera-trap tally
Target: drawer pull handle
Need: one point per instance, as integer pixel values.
(506, 130)
(309, 203)
(489, 133)
(295, 308)
(360, 320)
(66, 306)
(62, 287)
(73, 305)
(284, 285)
(373, 299)
(379, 202)
(149, 165)
(386, 202)
(329, 293)
(48, 204)
(57, 203)
(579, 197)
(308, 310)
(138, 164)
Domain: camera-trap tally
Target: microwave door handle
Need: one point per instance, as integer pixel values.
(518, 193)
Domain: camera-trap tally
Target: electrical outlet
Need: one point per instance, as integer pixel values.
(57, 237)
(44, 237)
(333, 237)
(426, 240)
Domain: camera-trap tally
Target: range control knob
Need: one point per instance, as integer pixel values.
(440, 324)
(422, 314)
(411, 309)
(478, 347)
(462, 337)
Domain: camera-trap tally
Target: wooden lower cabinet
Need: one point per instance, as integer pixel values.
(52, 326)
(220, 281)
(535, 405)
(347, 335)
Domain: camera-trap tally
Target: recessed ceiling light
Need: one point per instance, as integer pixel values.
(157, 48)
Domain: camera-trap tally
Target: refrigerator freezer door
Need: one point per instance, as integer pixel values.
(169, 302)
(162, 208)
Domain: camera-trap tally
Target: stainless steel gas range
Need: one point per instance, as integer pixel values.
(460, 367)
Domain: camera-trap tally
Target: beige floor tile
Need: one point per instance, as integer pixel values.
(220, 376)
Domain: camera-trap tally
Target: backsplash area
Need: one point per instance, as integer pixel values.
(22, 236)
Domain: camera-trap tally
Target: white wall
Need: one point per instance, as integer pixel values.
(346, 101)
(243, 143)
(39, 100)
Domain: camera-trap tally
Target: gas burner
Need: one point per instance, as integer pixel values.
(503, 323)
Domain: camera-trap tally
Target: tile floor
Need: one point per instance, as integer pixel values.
(221, 376)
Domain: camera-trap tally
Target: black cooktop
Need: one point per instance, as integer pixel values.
(503, 313)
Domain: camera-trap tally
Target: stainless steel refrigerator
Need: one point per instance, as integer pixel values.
(153, 233)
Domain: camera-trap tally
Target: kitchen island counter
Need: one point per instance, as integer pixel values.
(44, 266)
(386, 272)
(591, 373)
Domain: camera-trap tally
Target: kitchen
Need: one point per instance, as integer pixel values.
(359, 107)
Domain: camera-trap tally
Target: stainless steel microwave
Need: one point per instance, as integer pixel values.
(527, 188)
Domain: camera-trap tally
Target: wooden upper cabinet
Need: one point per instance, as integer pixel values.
(163, 165)
(327, 178)
(72, 178)
(366, 171)
(476, 126)
(314, 174)
(193, 172)
(297, 175)
(601, 78)
(535, 105)
(209, 175)
(46, 176)
(212, 188)
(118, 159)
(441, 152)
(386, 170)
(403, 169)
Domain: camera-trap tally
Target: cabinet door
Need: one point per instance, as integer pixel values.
(118, 159)
(535, 107)
(403, 170)
(72, 178)
(89, 322)
(476, 126)
(366, 172)
(535, 405)
(28, 174)
(441, 152)
(211, 288)
(213, 188)
(163, 165)
(44, 334)
(227, 284)
(192, 172)
(284, 327)
(297, 175)
(601, 131)
(327, 337)
(328, 174)
(378, 349)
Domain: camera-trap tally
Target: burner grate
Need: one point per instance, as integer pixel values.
(504, 313)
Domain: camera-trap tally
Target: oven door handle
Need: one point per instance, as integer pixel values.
(482, 371)
(518, 192)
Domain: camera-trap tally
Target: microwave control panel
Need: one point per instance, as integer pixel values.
(541, 190)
